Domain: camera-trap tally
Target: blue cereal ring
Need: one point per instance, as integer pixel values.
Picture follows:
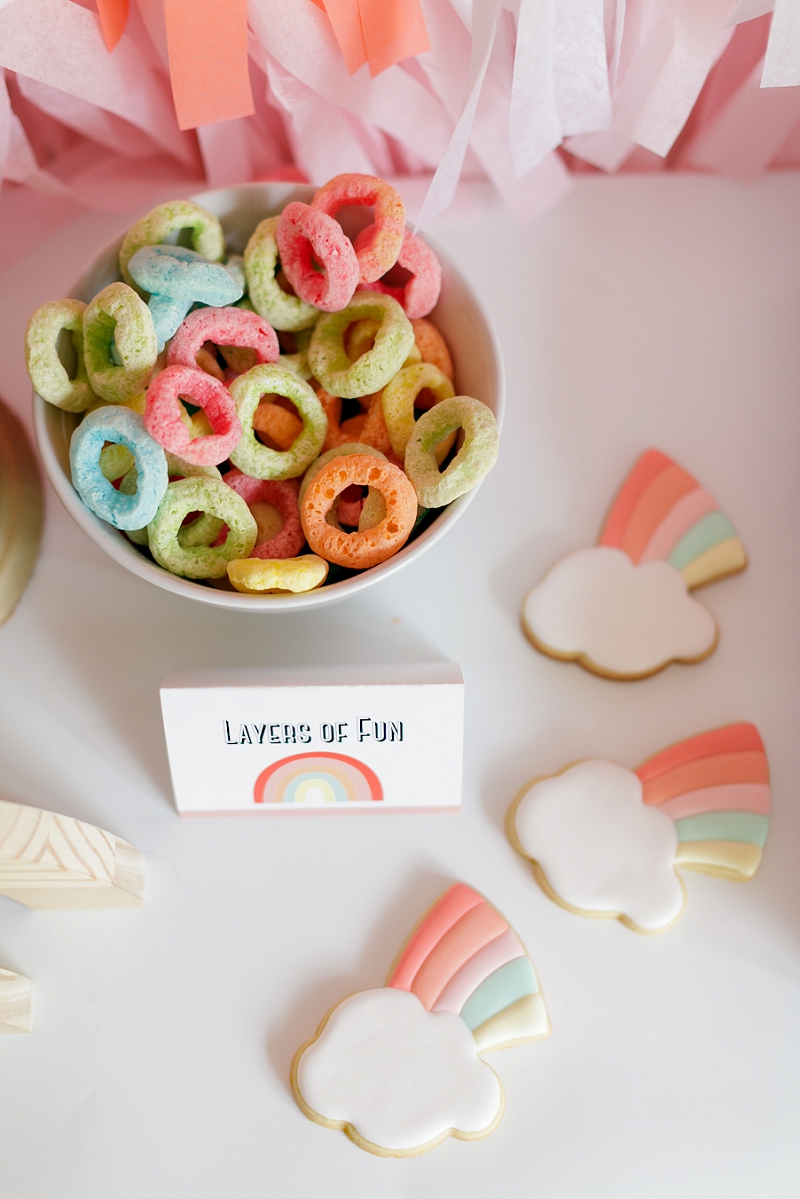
(124, 427)
(177, 278)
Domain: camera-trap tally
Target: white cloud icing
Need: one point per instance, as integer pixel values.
(625, 619)
(601, 848)
(402, 1076)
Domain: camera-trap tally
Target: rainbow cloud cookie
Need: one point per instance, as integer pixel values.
(606, 841)
(399, 1068)
(622, 608)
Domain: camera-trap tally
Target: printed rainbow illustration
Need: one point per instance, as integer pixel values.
(662, 513)
(465, 958)
(716, 789)
(317, 780)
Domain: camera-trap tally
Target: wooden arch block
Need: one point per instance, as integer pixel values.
(16, 1002)
(49, 861)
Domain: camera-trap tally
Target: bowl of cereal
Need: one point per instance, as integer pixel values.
(284, 449)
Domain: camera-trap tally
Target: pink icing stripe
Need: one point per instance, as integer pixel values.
(502, 949)
(440, 919)
(677, 523)
(731, 797)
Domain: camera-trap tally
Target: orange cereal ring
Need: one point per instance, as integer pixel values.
(432, 346)
(378, 252)
(277, 424)
(364, 549)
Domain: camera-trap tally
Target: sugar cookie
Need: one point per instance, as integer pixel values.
(606, 841)
(399, 1068)
(622, 608)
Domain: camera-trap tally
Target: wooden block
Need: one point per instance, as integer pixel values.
(21, 511)
(49, 861)
(16, 1003)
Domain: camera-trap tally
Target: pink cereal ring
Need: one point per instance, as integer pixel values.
(303, 231)
(222, 327)
(162, 415)
(378, 251)
(282, 494)
(421, 292)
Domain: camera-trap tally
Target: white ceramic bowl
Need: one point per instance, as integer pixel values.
(479, 373)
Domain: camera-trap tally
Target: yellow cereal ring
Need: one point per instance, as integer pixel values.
(399, 395)
(259, 575)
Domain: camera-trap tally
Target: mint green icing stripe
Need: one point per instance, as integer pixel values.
(497, 992)
(723, 826)
(707, 533)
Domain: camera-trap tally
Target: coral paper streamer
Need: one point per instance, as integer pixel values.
(345, 18)
(113, 18)
(380, 32)
(393, 30)
(207, 41)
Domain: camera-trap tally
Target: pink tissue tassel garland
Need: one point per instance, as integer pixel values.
(117, 104)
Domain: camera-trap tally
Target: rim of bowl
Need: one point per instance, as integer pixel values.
(124, 552)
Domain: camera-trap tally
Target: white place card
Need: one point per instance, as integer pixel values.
(356, 739)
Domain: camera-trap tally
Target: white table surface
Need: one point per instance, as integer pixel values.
(643, 311)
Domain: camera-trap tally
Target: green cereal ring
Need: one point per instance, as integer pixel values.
(473, 461)
(257, 460)
(48, 374)
(210, 496)
(202, 531)
(374, 509)
(118, 320)
(399, 395)
(284, 312)
(394, 341)
(153, 229)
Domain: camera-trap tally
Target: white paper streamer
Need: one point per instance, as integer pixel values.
(782, 62)
(700, 37)
(59, 43)
(580, 68)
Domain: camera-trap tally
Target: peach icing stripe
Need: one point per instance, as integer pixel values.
(440, 919)
(748, 767)
(658, 500)
(677, 523)
(496, 953)
(649, 466)
(208, 63)
(731, 738)
(729, 797)
(475, 929)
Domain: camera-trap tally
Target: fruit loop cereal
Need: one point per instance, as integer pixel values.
(418, 297)
(268, 417)
(284, 312)
(119, 343)
(370, 546)
(254, 575)
(223, 327)
(207, 236)
(379, 246)
(282, 495)
(201, 495)
(305, 236)
(48, 374)
(399, 397)
(329, 360)
(118, 424)
(176, 279)
(473, 461)
(162, 416)
(259, 460)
